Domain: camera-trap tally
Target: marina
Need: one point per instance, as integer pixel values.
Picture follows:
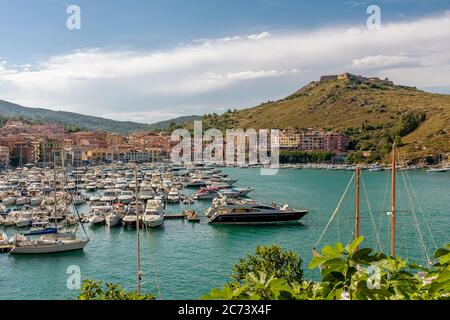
(173, 250)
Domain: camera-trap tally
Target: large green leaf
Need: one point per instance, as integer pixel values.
(352, 247)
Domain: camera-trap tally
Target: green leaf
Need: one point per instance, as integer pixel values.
(361, 254)
(315, 262)
(355, 244)
(330, 252)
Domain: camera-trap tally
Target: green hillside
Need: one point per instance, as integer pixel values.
(372, 115)
(71, 120)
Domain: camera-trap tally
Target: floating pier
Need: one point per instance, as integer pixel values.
(174, 216)
(5, 248)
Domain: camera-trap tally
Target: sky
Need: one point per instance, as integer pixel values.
(152, 60)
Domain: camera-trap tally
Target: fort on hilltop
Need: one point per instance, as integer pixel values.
(360, 79)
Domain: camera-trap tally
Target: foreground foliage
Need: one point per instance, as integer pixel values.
(94, 290)
(347, 273)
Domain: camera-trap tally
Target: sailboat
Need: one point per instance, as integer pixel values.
(392, 213)
(50, 243)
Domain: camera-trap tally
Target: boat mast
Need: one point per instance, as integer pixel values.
(358, 175)
(55, 197)
(393, 200)
(137, 233)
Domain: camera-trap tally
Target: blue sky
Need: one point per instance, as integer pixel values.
(196, 48)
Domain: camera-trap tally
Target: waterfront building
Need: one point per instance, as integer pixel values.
(289, 139)
(4, 157)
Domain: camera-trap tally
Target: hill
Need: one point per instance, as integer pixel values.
(70, 119)
(372, 112)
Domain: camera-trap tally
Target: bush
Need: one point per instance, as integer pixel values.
(94, 290)
(272, 261)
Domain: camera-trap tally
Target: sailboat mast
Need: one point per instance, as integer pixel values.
(358, 175)
(137, 232)
(55, 197)
(394, 169)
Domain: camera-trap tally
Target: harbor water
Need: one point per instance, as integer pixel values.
(185, 260)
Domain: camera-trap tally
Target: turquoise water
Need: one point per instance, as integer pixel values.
(186, 260)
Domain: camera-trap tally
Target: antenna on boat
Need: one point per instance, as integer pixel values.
(393, 200)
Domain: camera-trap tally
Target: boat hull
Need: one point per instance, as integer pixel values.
(50, 247)
(256, 218)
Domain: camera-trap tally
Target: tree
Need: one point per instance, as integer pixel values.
(94, 290)
(273, 262)
(349, 273)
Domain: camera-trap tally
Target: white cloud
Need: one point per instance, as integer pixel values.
(381, 61)
(228, 72)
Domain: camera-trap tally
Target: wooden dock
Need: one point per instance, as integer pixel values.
(6, 248)
(174, 216)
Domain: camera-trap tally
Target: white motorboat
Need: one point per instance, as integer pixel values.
(146, 194)
(173, 196)
(24, 219)
(79, 200)
(438, 170)
(126, 197)
(130, 218)
(206, 193)
(110, 195)
(97, 218)
(91, 187)
(9, 201)
(153, 215)
(115, 217)
(36, 201)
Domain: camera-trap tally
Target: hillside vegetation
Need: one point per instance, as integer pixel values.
(76, 120)
(372, 115)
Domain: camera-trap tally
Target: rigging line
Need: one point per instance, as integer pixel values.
(81, 222)
(155, 270)
(421, 211)
(405, 181)
(335, 211)
(384, 200)
(377, 236)
(420, 236)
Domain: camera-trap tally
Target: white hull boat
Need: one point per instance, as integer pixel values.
(112, 220)
(153, 221)
(55, 246)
